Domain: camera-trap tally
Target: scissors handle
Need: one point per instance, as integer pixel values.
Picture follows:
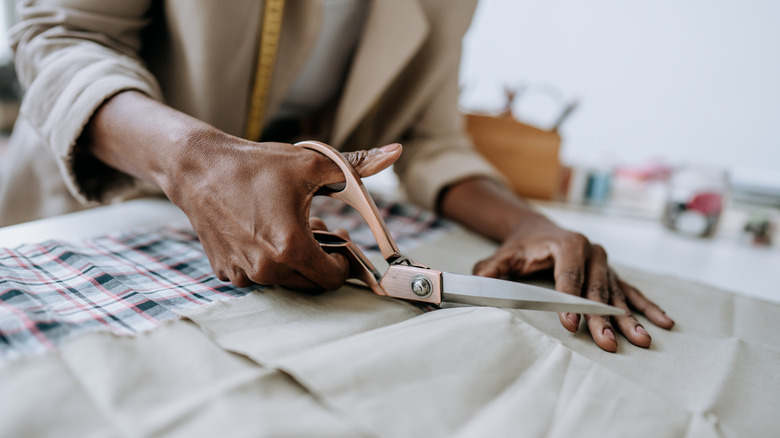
(400, 281)
(354, 193)
(360, 266)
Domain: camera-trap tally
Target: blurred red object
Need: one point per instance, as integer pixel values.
(709, 203)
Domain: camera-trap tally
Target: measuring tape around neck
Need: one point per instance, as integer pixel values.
(266, 58)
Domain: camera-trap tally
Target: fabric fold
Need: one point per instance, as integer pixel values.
(172, 382)
(461, 370)
(269, 325)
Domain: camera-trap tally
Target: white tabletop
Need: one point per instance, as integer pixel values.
(725, 262)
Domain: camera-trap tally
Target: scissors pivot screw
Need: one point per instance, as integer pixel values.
(421, 286)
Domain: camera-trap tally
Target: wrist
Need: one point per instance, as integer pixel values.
(194, 152)
(145, 139)
(529, 223)
(491, 209)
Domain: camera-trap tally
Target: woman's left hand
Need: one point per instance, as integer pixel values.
(579, 268)
(530, 243)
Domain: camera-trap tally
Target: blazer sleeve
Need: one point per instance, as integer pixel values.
(71, 56)
(438, 152)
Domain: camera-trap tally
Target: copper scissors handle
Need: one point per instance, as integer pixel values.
(354, 193)
(404, 277)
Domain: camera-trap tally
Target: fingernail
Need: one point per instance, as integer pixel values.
(389, 148)
(641, 330)
(572, 317)
(609, 333)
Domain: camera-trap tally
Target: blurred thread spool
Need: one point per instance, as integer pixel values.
(598, 187)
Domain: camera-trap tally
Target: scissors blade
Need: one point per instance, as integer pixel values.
(484, 291)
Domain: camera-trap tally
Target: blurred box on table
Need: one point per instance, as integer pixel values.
(527, 156)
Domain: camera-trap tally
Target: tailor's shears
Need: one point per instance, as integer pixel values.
(410, 280)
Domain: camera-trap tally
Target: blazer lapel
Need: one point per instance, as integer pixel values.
(394, 31)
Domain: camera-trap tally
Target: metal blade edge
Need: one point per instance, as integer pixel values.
(485, 291)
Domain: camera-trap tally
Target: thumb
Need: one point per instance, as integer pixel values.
(372, 161)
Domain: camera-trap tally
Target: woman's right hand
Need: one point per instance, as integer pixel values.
(248, 202)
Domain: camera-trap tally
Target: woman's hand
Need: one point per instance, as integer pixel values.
(579, 268)
(248, 202)
(531, 243)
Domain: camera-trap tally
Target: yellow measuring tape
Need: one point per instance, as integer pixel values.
(266, 58)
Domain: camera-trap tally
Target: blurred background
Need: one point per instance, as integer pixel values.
(671, 100)
(692, 81)
(667, 110)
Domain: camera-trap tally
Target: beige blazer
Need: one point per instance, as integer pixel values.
(199, 57)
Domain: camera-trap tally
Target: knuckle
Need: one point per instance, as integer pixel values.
(221, 275)
(221, 271)
(357, 158)
(580, 240)
(600, 290)
(574, 276)
(240, 279)
(577, 243)
(262, 278)
(264, 271)
(285, 250)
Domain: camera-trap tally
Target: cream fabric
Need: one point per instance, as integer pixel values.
(199, 57)
(494, 372)
(350, 363)
(171, 382)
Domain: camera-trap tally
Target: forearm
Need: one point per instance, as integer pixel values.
(489, 209)
(142, 137)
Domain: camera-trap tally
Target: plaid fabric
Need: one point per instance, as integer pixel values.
(128, 282)
(408, 224)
